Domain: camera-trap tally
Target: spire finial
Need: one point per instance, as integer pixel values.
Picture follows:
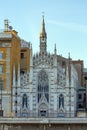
(43, 26)
(43, 14)
(55, 49)
(69, 55)
(31, 46)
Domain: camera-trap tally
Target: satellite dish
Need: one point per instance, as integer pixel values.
(10, 27)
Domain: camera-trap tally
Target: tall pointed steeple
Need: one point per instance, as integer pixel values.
(43, 38)
(43, 32)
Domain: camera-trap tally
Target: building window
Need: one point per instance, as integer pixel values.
(80, 105)
(0, 44)
(15, 102)
(1, 55)
(22, 55)
(43, 85)
(15, 111)
(61, 101)
(24, 101)
(0, 101)
(1, 84)
(80, 96)
(16, 93)
(1, 68)
(63, 63)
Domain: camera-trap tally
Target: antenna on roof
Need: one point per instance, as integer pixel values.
(6, 24)
(10, 27)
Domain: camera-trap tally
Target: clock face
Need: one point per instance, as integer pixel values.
(43, 40)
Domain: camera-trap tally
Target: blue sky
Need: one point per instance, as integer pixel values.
(65, 21)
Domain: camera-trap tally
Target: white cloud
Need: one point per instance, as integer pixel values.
(71, 26)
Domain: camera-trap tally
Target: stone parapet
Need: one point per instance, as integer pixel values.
(43, 120)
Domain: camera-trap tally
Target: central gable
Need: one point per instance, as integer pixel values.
(43, 65)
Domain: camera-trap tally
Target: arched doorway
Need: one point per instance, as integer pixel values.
(43, 110)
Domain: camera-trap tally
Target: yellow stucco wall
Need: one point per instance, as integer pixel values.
(3, 62)
(14, 56)
(11, 49)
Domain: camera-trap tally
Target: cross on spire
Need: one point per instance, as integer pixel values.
(43, 14)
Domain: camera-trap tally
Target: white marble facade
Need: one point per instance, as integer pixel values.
(48, 90)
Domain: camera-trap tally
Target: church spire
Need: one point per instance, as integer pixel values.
(43, 32)
(43, 37)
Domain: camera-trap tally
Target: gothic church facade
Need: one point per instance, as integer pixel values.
(47, 90)
(35, 85)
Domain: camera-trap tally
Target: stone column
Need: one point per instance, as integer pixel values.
(31, 81)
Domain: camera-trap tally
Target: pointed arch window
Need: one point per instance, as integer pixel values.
(61, 101)
(43, 85)
(24, 101)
